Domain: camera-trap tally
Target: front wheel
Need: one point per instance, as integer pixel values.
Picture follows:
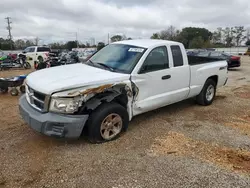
(14, 92)
(4, 89)
(107, 123)
(27, 65)
(207, 94)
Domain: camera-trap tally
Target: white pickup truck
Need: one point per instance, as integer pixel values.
(120, 81)
(36, 53)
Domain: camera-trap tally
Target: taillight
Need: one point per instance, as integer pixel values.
(235, 58)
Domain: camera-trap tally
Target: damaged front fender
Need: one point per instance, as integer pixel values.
(94, 96)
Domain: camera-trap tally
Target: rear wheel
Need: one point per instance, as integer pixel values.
(207, 94)
(40, 59)
(107, 122)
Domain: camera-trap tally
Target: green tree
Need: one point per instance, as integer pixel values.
(71, 44)
(196, 42)
(189, 33)
(57, 46)
(6, 44)
(100, 45)
(116, 38)
(155, 36)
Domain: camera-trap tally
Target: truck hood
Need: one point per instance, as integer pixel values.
(67, 77)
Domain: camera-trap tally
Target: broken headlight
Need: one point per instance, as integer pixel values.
(64, 105)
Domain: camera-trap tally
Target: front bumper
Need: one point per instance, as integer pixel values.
(51, 124)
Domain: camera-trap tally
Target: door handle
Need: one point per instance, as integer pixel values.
(166, 77)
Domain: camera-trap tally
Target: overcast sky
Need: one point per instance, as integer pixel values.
(59, 20)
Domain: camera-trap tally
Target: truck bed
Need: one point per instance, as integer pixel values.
(196, 60)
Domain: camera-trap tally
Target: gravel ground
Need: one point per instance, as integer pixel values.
(182, 145)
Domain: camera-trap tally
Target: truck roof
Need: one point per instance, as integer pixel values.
(38, 46)
(147, 43)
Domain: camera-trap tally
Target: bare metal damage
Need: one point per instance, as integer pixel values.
(123, 93)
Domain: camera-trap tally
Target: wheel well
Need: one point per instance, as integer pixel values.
(39, 57)
(214, 78)
(122, 100)
(95, 102)
(106, 97)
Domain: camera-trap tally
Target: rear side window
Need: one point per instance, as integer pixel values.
(157, 60)
(177, 56)
(43, 49)
(203, 54)
(215, 54)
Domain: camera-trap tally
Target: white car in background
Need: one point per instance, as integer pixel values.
(36, 53)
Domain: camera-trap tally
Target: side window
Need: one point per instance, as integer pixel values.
(31, 49)
(177, 56)
(203, 54)
(39, 49)
(215, 54)
(43, 49)
(157, 60)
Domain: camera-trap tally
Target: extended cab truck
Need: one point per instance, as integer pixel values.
(120, 81)
(36, 54)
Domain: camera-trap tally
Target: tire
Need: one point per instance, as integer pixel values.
(22, 89)
(101, 116)
(4, 89)
(27, 65)
(204, 98)
(14, 92)
(40, 59)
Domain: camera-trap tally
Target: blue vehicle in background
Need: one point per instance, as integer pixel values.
(13, 83)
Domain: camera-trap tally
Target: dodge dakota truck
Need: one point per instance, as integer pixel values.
(124, 79)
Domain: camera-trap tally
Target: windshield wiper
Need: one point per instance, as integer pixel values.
(90, 61)
(106, 66)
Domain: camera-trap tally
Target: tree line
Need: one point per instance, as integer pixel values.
(191, 37)
(20, 44)
(194, 37)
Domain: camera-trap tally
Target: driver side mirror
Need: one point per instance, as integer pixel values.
(23, 52)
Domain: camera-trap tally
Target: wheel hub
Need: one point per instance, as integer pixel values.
(210, 92)
(111, 126)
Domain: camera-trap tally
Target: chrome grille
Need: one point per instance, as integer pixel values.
(36, 99)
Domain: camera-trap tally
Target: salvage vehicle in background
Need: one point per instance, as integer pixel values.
(233, 61)
(122, 80)
(18, 62)
(36, 54)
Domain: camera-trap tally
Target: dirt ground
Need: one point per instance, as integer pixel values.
(182, 145)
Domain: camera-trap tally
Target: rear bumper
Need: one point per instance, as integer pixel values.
(234, 64)
(51, 124)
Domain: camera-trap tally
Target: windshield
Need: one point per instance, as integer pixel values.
(29, 49)
(119, 57)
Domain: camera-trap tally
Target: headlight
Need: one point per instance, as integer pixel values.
(64, 105)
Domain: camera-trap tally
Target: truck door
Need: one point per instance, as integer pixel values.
(163, 79)
(30, 54)
(180, 74)
(153, 81)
